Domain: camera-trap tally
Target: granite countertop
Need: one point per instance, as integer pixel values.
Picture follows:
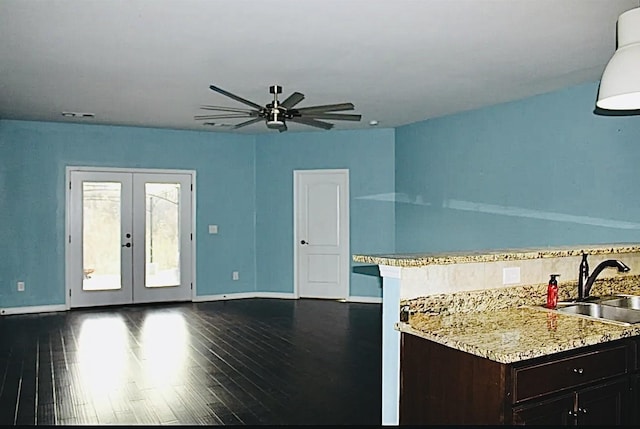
(461, 257)
(511, 335)
(510, 324)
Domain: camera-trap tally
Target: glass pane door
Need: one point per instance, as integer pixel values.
(130, 237)
(100, 239)
(162, 222)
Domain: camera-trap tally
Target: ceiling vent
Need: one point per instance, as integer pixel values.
(78, 115)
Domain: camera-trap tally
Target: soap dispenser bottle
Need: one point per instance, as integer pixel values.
(552, 292)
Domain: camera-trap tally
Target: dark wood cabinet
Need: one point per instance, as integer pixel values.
(634, 386)
(598, 405)
(589, 385)
(555, 411)
(604, 404)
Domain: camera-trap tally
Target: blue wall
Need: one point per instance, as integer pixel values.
(541, 171)
(33, 158)
(34, 155)
(369, 157)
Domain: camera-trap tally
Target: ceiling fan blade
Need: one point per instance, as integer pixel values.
(334, 116)
(227, 109)
(312, 122)
(292, 100)
(243, 124)
(221, 116)
(326, 108)
(235, 97)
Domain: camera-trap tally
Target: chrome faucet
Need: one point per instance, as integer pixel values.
(585, 281)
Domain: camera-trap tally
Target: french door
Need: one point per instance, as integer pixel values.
(129, 238)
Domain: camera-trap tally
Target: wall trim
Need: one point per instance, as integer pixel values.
(365, 299)
(204, 298)
(33, 309)
(243, 295)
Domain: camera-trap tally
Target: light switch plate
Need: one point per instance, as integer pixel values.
(511, 275)
(213, 229)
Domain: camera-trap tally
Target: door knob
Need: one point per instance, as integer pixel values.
(126, 245)
(304, 242)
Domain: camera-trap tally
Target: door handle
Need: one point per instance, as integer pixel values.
(126, 245)
(304, 242)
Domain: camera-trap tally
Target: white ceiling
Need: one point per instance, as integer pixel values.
(150, 62)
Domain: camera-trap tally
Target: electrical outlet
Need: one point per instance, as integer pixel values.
(235, 275)
(20, 286)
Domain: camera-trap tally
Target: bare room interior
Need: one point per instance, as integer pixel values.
(280, 212)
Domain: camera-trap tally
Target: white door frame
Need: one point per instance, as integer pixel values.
(346, 261)
(67, 232)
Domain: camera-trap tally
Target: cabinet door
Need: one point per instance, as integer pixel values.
(443, 386)
(606, 404)
(557, 412)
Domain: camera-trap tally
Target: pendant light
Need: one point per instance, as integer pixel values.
(620, 83)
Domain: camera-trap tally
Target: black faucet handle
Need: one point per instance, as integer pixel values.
(584, 266)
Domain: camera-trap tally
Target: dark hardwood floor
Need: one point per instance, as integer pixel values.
(252, 361)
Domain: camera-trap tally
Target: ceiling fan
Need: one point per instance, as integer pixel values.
(277, 113)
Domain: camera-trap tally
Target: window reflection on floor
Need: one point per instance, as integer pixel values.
(103, 345)
(164, 343)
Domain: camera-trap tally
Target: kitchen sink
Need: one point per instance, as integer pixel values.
(605, 312)
(632, 302)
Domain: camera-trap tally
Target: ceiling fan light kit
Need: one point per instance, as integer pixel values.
(274, 120)
(277, 113)
(620, 84)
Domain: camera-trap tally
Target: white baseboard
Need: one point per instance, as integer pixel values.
(365, 299)
(221, 297)
(278, 295)
(32, 309)
(242, 295)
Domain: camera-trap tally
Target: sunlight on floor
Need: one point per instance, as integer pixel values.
(103, 346)
(164, 344)
(105, 355)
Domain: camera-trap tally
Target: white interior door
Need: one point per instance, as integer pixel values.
(321, 205)
(129, 237)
